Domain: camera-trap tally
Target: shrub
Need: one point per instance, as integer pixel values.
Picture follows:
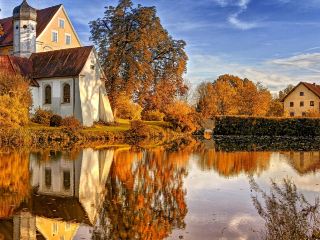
(42, 116)
(15, 100)
(259, 126)
(127, 109)
(153, 115)
(55, 121)
(71, 123)
(182, 117)
(140, 130)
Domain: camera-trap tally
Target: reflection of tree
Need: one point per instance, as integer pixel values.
(145, 198)
(287, 214)
(14, 181)
(234, 163)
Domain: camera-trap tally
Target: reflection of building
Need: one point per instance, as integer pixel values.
(66, 193)
(304, 162)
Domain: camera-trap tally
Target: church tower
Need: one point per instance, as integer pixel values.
(24, 30)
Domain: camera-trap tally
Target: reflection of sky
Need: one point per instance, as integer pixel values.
(221, 208)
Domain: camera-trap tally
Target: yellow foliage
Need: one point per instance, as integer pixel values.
(15, 100)
(14, 181)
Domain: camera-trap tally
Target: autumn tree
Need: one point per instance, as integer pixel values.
(139, 56)
(231, 95)
(285, 91)
(15, 100)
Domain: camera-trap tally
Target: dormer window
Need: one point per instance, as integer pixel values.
(61, 23)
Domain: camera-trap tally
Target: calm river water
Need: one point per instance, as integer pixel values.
(192, 192)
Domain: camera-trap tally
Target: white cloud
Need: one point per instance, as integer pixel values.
(236, 22)
(274, 76)
(308, 61)
(234, 18)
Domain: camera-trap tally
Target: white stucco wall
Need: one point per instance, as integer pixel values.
(24, 37)
(90, 85)
(57, 105)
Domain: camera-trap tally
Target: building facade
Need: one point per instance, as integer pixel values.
(302, 100)
(66, 78)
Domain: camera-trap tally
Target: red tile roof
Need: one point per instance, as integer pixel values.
(17, 65)
(60, 63)
(311, 86)
(43, 18)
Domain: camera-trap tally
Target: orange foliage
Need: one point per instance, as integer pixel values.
(145, 199)
(230, 164)
(231, 95)
(14, 181)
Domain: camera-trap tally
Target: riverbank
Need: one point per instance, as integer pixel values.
(123, 132)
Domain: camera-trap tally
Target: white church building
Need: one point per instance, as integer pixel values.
(65, 77)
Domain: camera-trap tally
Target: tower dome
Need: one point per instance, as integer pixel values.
(24, 12)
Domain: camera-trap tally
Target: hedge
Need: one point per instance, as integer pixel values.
(258, 126)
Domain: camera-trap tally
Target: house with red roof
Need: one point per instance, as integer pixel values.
(65, 77)
(302, 100)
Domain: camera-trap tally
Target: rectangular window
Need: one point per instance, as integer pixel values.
(291, 104)
(292, 114)
(311, 103)
(302, 104)
(66, 180)
(54, 36)
(301, 93)
(68, 39)
(61, 23)
(47, 177)
(304, 114)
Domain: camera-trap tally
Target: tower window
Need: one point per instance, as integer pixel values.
(47, 94)
(54, 36)
(61, 23)
(68, 39)
(25, 26)
(66, 93)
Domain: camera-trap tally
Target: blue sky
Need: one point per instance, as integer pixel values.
(276, 42)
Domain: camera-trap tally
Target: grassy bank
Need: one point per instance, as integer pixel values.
(258, 126)
(123, 132)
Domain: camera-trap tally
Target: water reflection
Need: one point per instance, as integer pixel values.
(286, 212)
(188, 190)
(64, 193)
(146, 198)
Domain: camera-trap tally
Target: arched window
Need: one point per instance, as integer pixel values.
(66, 93)
(47, 94)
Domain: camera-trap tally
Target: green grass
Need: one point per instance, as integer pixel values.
(121, 125)
(124, 125)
